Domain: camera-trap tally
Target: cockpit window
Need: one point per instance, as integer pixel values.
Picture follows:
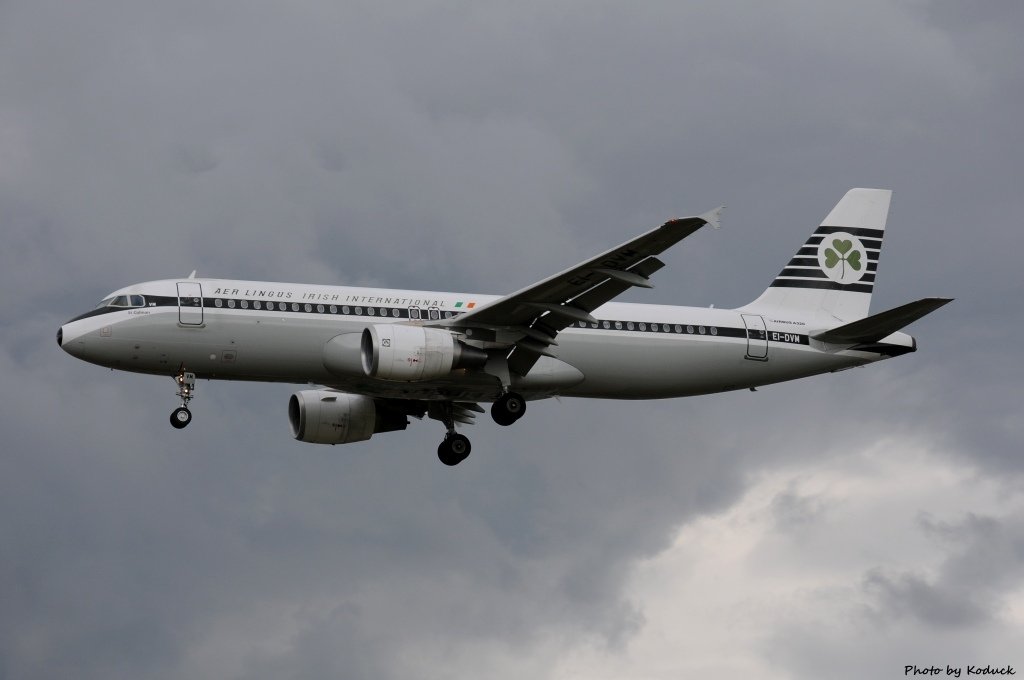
(123, 301)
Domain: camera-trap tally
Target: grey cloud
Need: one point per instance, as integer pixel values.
(792, 511)
(909, 594)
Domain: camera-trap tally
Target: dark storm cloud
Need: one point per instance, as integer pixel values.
(479, 148)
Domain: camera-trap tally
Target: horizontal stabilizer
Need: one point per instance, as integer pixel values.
(883, 324)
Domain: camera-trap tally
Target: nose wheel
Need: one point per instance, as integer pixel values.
(181, 417)
(186, 382)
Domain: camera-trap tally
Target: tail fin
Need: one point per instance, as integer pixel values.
(833, 274)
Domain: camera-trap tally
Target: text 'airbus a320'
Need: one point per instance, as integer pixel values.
(383, 356)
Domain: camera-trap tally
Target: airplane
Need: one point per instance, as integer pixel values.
(377, 357)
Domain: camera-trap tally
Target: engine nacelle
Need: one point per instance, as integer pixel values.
(410, 353)
(328, 417)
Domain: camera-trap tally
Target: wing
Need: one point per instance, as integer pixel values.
(531, 318)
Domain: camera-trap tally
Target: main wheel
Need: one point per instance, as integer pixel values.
(509, 408)
(454, 449)
(181, 417)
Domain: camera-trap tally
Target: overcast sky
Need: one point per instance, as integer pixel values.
(841, 526)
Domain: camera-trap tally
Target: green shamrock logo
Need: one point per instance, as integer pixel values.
(843, 253)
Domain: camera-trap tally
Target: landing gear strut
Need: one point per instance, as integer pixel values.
(455, 447)
(186, 381)
(508, 408)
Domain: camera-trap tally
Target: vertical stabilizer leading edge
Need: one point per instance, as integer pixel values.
(833, 274)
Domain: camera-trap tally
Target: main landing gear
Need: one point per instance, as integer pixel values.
(455, 447)
(508, 408)
(186, 381)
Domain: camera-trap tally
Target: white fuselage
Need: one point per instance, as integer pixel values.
(245, 330)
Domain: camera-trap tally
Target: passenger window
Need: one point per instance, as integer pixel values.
(308, 307)
(218, 303)
(231, 304)
(320, 309)
(256, 304)
(345, 309)
(370, 311)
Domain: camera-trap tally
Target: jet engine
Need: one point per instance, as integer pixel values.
(410, 353)
(329, 417)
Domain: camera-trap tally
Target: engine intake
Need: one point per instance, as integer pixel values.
(411, 353)
(329, 417)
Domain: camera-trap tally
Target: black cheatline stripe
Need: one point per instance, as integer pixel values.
(360, 312)
(803, 262)
(808, 273)
(604, 324)
(873, 266)
(663, 328)
(825, 285)
(868, 233)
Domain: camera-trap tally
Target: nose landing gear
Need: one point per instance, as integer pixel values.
(186, 381)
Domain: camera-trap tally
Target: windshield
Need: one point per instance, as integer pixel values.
(123, 301)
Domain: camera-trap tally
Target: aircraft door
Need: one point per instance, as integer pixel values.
(757, 337)
(190, 303)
